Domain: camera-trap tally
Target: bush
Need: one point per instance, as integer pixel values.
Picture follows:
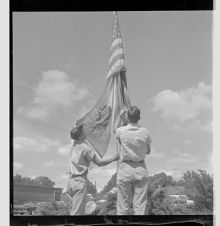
(199, 187)
(160, 204)
(52, 208)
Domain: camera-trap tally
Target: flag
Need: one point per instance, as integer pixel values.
(109, 111)
(117, 73)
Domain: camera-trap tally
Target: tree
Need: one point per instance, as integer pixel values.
(111, 200)
(44, 181)
(111, 183)
(199, 187)
(51, 208)
(17, 179)
(160, 204)
(38, 181)
(91, 189)
(161, 179)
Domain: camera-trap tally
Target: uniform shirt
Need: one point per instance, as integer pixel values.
(134, 140)
(80, 157)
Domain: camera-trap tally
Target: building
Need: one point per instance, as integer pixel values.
(26, 193)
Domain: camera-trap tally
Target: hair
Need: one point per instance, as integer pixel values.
(76, 132)
(134, 114)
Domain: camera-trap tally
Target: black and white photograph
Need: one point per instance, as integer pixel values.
(112, 113)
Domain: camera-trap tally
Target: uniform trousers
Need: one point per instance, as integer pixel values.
(77, 192)
(132, 188)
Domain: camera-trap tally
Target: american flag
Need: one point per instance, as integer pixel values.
(117, 71)
(117, 59)
(107, 114)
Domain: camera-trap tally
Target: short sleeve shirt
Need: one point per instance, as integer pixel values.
(134, 141)
(80, 157)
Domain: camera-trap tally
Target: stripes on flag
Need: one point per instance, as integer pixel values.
(117, 66)
(115, 42)
(117, 59)
(116, 53)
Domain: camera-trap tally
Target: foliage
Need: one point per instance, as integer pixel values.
(179, 182)
(175, 190)
(109, 208)
(111, 183)
(52, 208)
(157, 204)
(111, 200)
(99, 196)
(161, 179)
(91, 188)
(41, 181)
(44, 181)
(160, 204)
(199, 187)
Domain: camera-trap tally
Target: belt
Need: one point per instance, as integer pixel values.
(75, 176)
(132, 161)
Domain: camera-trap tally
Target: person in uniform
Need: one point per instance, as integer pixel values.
(132, 177)
(80, 157)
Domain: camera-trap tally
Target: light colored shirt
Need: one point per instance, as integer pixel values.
(134, 140)
(80, 157)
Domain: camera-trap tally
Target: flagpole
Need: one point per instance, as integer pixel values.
(113, 103)
(115, 14)
(113, 100)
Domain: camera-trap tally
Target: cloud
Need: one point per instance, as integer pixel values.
(64, 176)
(84, 109)
(61, 181)
(197, 124)
(50, 164)
(176, 163)
(65, 150)
(71, 63)
(183, 159)
(18, 166)
(191, 107)
(187, 141)
(155, 154)
(39, 144)
(54, 91)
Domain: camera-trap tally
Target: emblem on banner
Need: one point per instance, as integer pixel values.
(100, 120)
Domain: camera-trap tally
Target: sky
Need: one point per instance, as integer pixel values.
(59, 70)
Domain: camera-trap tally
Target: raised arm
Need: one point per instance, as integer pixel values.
(105, 160)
